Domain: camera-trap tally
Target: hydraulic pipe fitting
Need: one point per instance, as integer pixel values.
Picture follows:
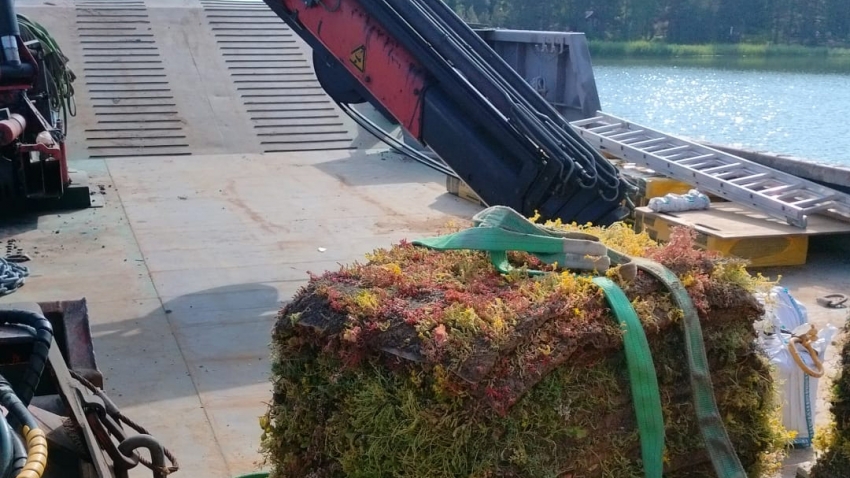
(12, 128)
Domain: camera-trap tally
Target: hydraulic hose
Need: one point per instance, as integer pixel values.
(397, 145)
(463, 39)
(41, 348)
(36, 440)
(6, 447)
(19, 454)
(15, 406)
(455, 87)
(60, 76)
(36, 453)
(555, 140)
(546, 112)
(524, 93)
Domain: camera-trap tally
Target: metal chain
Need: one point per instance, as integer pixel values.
(12, 277)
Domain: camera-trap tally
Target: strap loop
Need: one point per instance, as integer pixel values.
(499, 230)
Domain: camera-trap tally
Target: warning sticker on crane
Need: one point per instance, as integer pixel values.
(358, 58)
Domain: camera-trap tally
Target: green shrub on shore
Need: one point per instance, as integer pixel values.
(661, 50)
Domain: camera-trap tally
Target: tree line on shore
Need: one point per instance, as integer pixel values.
(796, 22)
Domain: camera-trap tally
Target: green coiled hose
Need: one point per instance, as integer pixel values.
(60, 76)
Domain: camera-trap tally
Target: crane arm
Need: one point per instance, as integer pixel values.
(420, 64)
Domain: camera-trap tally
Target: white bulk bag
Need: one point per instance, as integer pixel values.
(784, 318)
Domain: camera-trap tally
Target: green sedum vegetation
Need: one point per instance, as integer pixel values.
(426, 364)
(650, 49)
(834, 441)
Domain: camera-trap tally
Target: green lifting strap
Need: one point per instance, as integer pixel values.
(499, 230)
(722, 453)
(644, 382)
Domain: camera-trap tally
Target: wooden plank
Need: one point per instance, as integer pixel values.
(732, 221)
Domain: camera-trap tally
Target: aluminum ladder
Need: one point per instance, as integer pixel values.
(775, 193)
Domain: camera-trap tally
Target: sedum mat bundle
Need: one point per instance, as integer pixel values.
(422, 363)
(835, 441)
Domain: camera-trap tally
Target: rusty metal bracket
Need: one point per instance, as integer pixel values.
(104, 428)
(66, 385)
(106, 420)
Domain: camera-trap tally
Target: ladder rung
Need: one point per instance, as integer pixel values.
(634, 140)
(701, 157)
(655, 147)
(619, 136)
(777, 189)
(585, 122)
(672, 150)
(607, 127)
(790, 194)
(719, 169)
(647, 142)
(751, 186)
(727, 174)
(696, 166)
(680, 157)
(737, 181)
(814, 201)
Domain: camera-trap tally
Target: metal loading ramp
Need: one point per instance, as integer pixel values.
(128, 87)
(188, 77)
(274, 78)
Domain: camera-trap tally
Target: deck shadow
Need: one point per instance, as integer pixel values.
(218, 338)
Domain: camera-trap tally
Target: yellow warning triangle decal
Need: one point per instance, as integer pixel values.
(358, 58)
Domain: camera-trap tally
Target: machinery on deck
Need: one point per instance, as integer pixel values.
(59, 422)
(36, 98)
(418, 63)
(55, 421)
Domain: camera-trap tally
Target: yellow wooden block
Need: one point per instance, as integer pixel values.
(764, 251)
(460, 189)
(652, 185)
(733, 230)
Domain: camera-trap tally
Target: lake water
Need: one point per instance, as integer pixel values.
(794, 107)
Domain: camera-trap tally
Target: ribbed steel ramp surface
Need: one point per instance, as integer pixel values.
(127, 85)
(274, 78)
(181, 77)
